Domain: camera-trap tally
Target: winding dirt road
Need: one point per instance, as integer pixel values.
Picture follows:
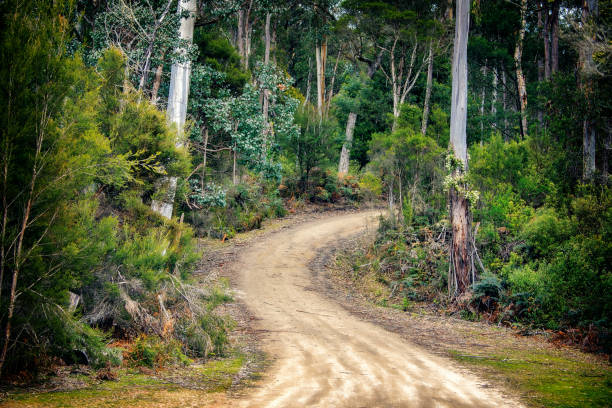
(326, 357)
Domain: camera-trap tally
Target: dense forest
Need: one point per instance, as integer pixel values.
(132, 128)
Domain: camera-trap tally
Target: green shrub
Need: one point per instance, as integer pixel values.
(154, 352)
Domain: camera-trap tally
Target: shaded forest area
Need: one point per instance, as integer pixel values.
(132, 128)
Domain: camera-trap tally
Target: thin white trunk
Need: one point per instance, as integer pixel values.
(504, 91)
(345, 154)
(494, 95)
(483, 96)
(343, 167)
(331, 85)
(318, 60)
(520, 77)
(428, 89)
(308, 84)
(177, 104)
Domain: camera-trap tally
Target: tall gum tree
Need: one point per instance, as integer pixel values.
(461, 271)
(177, 102)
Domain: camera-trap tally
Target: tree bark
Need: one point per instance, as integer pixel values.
(345, 154)
(204, 157)
(461, 272)
(494, 96)
(330, 94)
(267, 39)
(483, 96)
(266, 92)
(308, 84)
(321, 56)
(156, 83)
(554, 40)
(343, 167)
(588, 146)
(520, 78)
(177, 103)
(546, 38)
(427, 90)
(589, 136)
(504, 107)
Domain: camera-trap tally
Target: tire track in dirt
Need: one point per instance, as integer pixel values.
(323, 355)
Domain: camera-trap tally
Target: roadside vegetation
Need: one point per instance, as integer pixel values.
(134, 131)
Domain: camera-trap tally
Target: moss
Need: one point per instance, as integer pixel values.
(219, 374)
(546, 379)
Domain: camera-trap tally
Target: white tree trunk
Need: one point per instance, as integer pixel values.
(494, 95)
(461, 274)
(266, 92)
(307, 98)
(177, 104)
(483, 97)
(458, 121)
(520, 77)
(343, 167)
(428, 89)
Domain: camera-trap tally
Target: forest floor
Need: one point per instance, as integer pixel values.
(306, 335)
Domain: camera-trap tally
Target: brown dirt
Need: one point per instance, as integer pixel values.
(325, 354)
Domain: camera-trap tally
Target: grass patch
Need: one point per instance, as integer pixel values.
(219, 374)
(139, 390)
(546, 379)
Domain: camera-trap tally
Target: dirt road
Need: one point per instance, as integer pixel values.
(326, 357)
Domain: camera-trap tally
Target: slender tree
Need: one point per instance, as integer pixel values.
(462, 274)
(177, 101)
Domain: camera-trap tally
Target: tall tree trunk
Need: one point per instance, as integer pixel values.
(588, 149)
(605, 169)
(504, 98)
(427, 89)
(520, 77)
(204, 157)
(494, 96)
(267, 39)
(266, 92)
(483, 96)
(308, 84)
(554, 40)
(343, 166)
(177, 104)
(345, 154)
(234, 167)
(157, 83)
(460, 251)
(589, 136)
(240, 35)
(321, 55)
(546, 38)
(330, 94)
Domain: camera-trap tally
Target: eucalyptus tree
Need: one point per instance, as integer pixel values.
(402, 30)
(144, 31)
(461, 270)
(178, 97)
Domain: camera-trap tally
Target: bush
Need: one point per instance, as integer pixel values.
(154, 352)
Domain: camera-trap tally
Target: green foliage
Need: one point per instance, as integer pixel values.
(314, 146)
(154, 352)
(243, 208)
